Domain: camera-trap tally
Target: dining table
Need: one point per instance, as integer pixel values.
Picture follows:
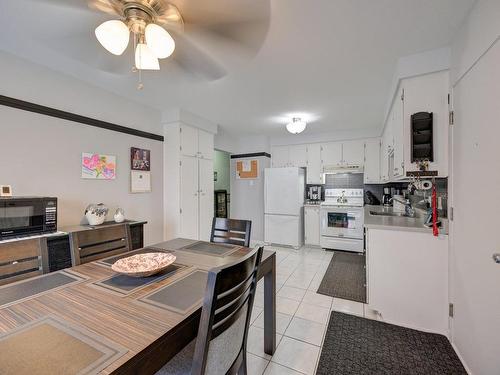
(90, 319)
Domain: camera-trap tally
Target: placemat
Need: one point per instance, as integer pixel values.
(207, 248)
(51, 346)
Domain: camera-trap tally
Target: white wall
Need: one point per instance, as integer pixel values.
(41, 155)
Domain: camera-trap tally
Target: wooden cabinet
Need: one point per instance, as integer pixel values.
(314, 173)
(311, 226)
(280, 156)
(331, 154)
(353, 152)
(398, 165)
(297, 156)
(372, 162)
(205, 145)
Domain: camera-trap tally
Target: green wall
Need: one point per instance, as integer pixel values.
(222, 167)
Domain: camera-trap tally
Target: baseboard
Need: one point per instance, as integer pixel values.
(461, 358)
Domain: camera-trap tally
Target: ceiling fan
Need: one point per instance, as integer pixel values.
(209, 37)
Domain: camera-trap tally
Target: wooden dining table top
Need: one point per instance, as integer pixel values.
(122, 318)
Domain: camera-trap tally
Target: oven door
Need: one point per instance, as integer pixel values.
(21, 216)
(344, 222)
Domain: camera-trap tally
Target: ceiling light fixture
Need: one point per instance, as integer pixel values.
(296, 126)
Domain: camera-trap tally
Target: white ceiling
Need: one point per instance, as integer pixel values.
(331, 60)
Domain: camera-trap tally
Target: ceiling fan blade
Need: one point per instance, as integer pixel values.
(107, 6)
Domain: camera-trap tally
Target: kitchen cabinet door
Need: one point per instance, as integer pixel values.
(206, 207)
(331, 153)
(311, 226)
(314, 171)
(189, 140)
(205, 144)
(398, 137)
(189, 197)
(372, 162)
(298, 156)
(280, 156)
(384, 161)
(353, 152)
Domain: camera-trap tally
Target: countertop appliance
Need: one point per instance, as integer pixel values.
(284, 190)
(342, 219)
(386, 198)
(314, 193)
(25, 216)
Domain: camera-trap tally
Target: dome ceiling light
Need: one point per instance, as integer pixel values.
(296, 126)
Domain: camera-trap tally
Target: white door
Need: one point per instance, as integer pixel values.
(206, 173)
(353, 152)
(311, 226)
(189, 140)
(331, 153)
(189, 197)
(372, 162)
(282, 191)
(205, 144)
(298, 156)
(384, 161)
(280, 156)
(314, 175)
(476, 178)
(398, 136)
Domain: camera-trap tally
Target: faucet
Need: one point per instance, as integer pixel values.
(409, 210)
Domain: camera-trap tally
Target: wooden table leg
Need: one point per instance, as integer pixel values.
(270, 308)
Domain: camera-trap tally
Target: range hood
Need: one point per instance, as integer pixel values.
(336, 169)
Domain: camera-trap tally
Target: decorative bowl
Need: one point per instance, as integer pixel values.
(96, 213)
(143, 265)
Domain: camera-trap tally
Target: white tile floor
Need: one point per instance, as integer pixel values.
(302, 314)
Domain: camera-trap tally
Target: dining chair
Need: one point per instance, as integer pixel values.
(221, 345)
(232, 231)
(97, 243)
(23, 259)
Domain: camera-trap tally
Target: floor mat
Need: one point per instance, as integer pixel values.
(345, 277)
(360, 346)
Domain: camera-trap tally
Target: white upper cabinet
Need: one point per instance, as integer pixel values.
(372, 161)
(298, 156)
(205, 145)
(353, 152)
(280, 156)
(398, 137)
(189, 141)
(314, 171)
(331, 153)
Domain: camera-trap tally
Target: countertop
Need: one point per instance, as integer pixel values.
(408, 224)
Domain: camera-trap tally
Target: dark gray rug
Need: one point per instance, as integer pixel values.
(359, 346)
(345, 277)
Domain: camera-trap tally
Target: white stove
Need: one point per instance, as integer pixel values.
(342, 220)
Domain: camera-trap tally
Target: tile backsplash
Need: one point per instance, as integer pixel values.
(344, 181)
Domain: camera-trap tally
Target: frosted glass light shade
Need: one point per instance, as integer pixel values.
(159, 41)
(144, 58)
(296, 126)
(113, 35)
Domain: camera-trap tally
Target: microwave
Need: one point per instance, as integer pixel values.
(26, 216)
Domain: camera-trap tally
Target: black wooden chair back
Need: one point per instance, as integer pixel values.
(221, 344)
(232, 231)
(93, 244)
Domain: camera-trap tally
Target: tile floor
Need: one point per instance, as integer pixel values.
(302, 314)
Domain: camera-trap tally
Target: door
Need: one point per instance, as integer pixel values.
(311, 226)
(342, 221)
(475, 276)
(205, 144)
(282, 191)
(280, 156)
(314, 175)
(282, 230)
(206, 208)
(372, 162)
(353, 152)
(189, 197)
(189, 140)
(298, 156)
(331, 153)
(398, 137)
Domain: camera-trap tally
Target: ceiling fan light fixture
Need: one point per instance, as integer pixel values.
(296, 126)
(145, 59)
(159, 41)
(113, 35)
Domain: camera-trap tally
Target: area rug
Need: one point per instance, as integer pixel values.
(345, 277)
(360, 346)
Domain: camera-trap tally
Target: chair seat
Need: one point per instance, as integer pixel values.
(182, 362)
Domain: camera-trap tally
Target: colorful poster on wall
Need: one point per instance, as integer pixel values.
(140, 159)
(98, 166)
(247, 169)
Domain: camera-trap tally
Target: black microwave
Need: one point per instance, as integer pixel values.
(26, 216)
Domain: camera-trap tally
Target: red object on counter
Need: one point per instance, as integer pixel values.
(435, 230)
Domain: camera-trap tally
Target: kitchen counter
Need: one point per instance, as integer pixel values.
(400, 223)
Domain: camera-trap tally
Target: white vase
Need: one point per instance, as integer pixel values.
(119, 216)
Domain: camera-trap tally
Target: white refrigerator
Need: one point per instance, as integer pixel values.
(284, 190)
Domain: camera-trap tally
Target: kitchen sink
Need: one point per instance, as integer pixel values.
(398, 214)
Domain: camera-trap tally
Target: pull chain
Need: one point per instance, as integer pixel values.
(140, 85)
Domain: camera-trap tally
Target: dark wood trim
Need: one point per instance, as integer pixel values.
(252, 155)
(48, 111)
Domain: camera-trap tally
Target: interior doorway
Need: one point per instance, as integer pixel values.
(222, 189)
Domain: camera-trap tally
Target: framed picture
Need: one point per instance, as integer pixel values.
(140, 181)
(98, 166)
(140, 159)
